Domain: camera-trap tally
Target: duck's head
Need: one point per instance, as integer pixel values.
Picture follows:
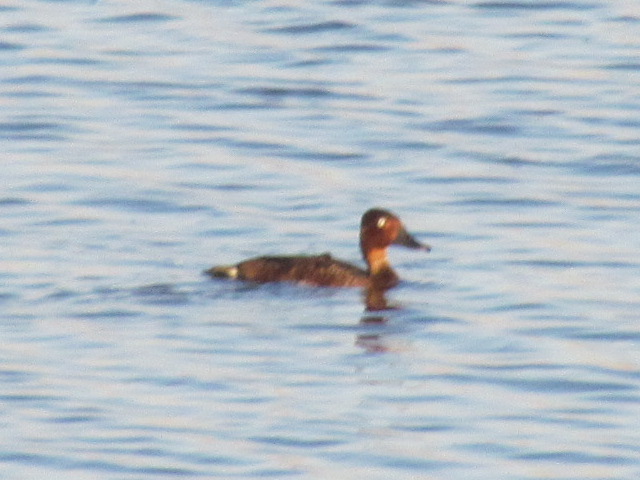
(380, 228)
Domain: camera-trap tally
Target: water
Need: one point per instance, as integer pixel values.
(145, 141)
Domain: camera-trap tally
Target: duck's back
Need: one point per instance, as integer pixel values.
(319, 270)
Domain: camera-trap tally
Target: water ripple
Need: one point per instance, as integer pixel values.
(318, 27)
(535, 5)
(138, 17)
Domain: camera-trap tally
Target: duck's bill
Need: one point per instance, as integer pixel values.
(406, 240)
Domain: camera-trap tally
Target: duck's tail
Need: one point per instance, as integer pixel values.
(223, 271)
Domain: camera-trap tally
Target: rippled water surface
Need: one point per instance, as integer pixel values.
(145, 141)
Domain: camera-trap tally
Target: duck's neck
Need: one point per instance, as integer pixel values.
(380, 271)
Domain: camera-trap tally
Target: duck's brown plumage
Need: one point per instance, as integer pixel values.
(379, 229)
(316, 270)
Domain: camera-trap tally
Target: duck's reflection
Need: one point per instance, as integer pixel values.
(376, 302)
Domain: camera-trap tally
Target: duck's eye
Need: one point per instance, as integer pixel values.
(382, 221)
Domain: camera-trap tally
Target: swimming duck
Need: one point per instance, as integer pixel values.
(378, 230)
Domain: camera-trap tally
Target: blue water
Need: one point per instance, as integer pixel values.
(146, 141)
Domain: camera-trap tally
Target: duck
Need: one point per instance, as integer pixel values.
(379, 229)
